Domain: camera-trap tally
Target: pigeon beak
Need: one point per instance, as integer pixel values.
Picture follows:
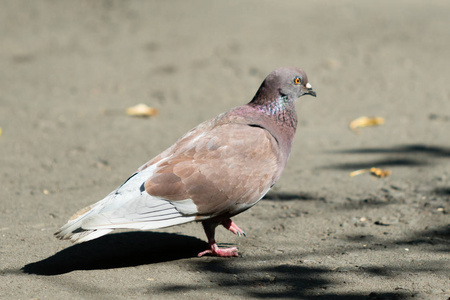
(310, 90)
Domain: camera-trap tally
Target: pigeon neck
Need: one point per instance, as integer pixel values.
(280, 104)
(282, 109)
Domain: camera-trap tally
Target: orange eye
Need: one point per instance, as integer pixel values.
(297, 80)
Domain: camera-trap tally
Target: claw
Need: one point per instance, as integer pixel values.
(231, 226)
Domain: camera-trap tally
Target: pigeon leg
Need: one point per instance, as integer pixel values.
(231, 226)
(214, 250)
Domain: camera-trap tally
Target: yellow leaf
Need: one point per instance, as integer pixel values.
(365, 122)
(359, 172)
(141, 110)
(374, 171)
(380, 172)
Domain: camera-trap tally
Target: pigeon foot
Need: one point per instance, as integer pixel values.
(216, 251)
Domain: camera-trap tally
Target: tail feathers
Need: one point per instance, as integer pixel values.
(98, 219)
(81, 235)
(73, 229)
(127, 207)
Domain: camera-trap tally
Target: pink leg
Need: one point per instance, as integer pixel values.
(213, 248)
(231, 226)
(216, 251)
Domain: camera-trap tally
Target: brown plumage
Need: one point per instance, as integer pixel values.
(217, 170)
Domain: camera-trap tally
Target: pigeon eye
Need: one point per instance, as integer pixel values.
(297, 80)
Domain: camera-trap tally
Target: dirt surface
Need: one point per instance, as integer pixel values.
(69, 69)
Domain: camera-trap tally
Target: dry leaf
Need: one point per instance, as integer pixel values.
(141, 110)
(374, 171)
(359, 172)
(0, 131)
(380, 172)
(365, 122)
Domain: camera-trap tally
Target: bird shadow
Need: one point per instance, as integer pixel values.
(117, 251)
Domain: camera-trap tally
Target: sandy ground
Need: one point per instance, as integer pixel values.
(69, 69)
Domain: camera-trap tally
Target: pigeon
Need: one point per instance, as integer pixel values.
(217, 170)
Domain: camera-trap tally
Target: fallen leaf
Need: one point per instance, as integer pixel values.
(365, 122)
(359, 172)
(380, 172)
(141, 110)
(0, 131)
(374, 171)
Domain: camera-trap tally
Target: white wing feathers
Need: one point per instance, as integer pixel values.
(129, 206)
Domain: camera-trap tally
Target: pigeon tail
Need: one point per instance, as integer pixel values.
(74, 231)
(129, 206)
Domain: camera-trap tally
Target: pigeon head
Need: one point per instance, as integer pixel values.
(291, 82)
(284, 83)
